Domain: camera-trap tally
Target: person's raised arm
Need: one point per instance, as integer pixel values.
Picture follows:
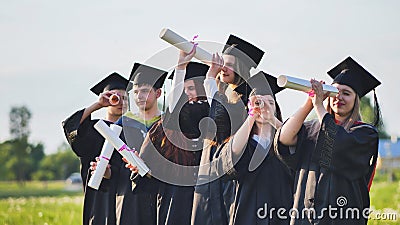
(210, 84)
(267, 113)
(179, 77)
(103, 101)
(291, 127)
(242, 135)
(288, 135)
(318, 99)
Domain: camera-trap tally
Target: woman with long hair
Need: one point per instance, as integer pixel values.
(214, 195)
(264, 183)
(334, 156)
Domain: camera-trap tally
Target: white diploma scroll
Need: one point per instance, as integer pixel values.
(104, 156)
(185, 45)
(303, 85)
(121, 147)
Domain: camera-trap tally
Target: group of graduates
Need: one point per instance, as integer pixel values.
(221, 153)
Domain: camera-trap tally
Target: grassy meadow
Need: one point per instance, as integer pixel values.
(56, 203)
(40, 203)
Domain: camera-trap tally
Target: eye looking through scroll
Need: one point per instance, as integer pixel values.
(114, 99)
(259, 103)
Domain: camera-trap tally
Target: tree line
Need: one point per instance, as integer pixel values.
(23, 161)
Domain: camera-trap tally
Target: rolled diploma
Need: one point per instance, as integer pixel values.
(121, 147)
(105, 156)
(184, 45)
(303, 85)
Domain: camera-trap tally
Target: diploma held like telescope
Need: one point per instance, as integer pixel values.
(303, 85)
(185, 45)
(121, 147)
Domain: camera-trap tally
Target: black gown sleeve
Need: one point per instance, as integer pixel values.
(71, 125)
(306, 139)
(82, 136)
(220, 116)
(228, 117)
(235, 166)
(288, 154)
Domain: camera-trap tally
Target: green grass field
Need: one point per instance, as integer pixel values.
(53, 204)
(38, 189)
(39, 203)
(385, 202)
(41, 210)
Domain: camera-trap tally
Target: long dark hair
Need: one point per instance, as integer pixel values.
(242, 71)
(356, 114)
(160, 139)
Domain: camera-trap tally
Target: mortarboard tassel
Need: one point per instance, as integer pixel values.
(377, 112)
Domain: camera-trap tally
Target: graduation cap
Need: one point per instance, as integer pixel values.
(352, 74)
(249, 54)
(111, 82)
(262, 83)
(143, 74)
(194, 70)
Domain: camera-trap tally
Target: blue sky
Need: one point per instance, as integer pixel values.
(52, 52)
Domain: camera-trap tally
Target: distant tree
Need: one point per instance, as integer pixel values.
(22, 159)
(19, 159)
(18, 163)
(368, 116)
(47, 169)
(58, 165)
(36, 153)
(5, 152)
(67, 161)
(19, 122)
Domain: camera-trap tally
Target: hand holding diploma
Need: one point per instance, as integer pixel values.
(93, 167)
(122, 148)
(303, 85)
(103, 159)
(130, 166)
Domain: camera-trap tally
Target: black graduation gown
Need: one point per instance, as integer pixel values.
(86, 142)
(214, 193)
(259, 190)
(133, 205)
(332, 171)
(175, 199)
(228, 117)
(190, 116)
(179, 199)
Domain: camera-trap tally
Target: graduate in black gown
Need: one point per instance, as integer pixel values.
(214, 196)
(136, 202)
(177, 139)
(86, 142)
(334, 156)
(264, 182)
